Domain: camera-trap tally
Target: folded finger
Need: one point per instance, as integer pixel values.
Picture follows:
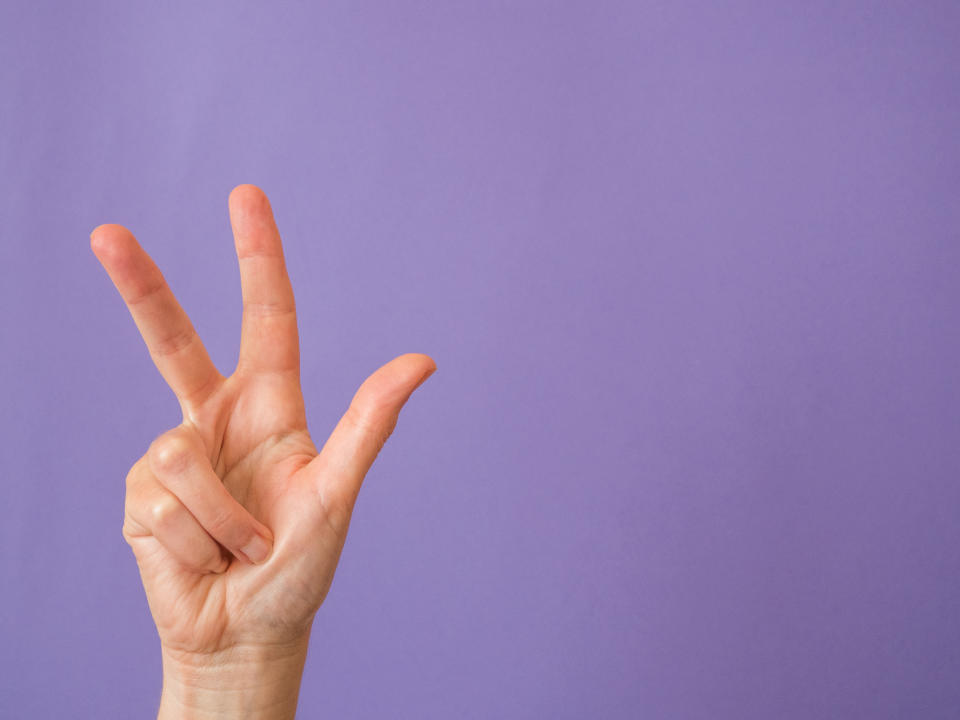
(156, 511)
(178, 460)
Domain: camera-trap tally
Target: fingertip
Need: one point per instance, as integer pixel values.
(410, 369)
(258, 549)
(420, 366)
(247, 196)
(242, 188)
(107, 240)
(416, 362)
(432, 366)
(98, 239)
(391, 385)
(220, 567)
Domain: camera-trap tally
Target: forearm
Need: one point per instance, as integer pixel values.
(242, 683)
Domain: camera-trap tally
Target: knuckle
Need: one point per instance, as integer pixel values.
(127, 531)
(175, 342)
(170, 453)
(137, 476)
(374, 419)
(163, 512)
(338, 510)
(140, 488)
(282, 308)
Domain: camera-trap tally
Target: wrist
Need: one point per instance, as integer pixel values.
(261, 682)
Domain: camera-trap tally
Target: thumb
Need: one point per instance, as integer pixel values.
(338, 471)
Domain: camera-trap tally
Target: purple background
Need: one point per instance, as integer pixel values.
(690, 274)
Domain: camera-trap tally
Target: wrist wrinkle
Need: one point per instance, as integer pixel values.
(238, 683)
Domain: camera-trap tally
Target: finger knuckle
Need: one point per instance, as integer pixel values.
(337, 509)
(164, 512)
(137, 475)
(175, 342)
(374, 419)
(170, 454)
(127, 531)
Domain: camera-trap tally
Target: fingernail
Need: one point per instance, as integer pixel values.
(257, 550)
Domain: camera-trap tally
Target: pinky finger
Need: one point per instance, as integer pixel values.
(161, 514)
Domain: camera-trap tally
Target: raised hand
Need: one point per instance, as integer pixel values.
(235, 519)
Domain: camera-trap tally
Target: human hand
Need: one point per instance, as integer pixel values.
(235, 519)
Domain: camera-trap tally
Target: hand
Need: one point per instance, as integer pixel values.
(235, 519)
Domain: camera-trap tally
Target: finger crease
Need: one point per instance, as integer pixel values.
(268, 309)
(147, 294)
(173, 344)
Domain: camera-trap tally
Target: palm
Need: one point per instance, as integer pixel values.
(258, 458)
(249, 431)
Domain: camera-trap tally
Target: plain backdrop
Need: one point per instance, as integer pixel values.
(690, 275)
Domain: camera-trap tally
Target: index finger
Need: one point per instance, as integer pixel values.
(170, 336)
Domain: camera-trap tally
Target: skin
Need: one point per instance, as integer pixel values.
(235, 518)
